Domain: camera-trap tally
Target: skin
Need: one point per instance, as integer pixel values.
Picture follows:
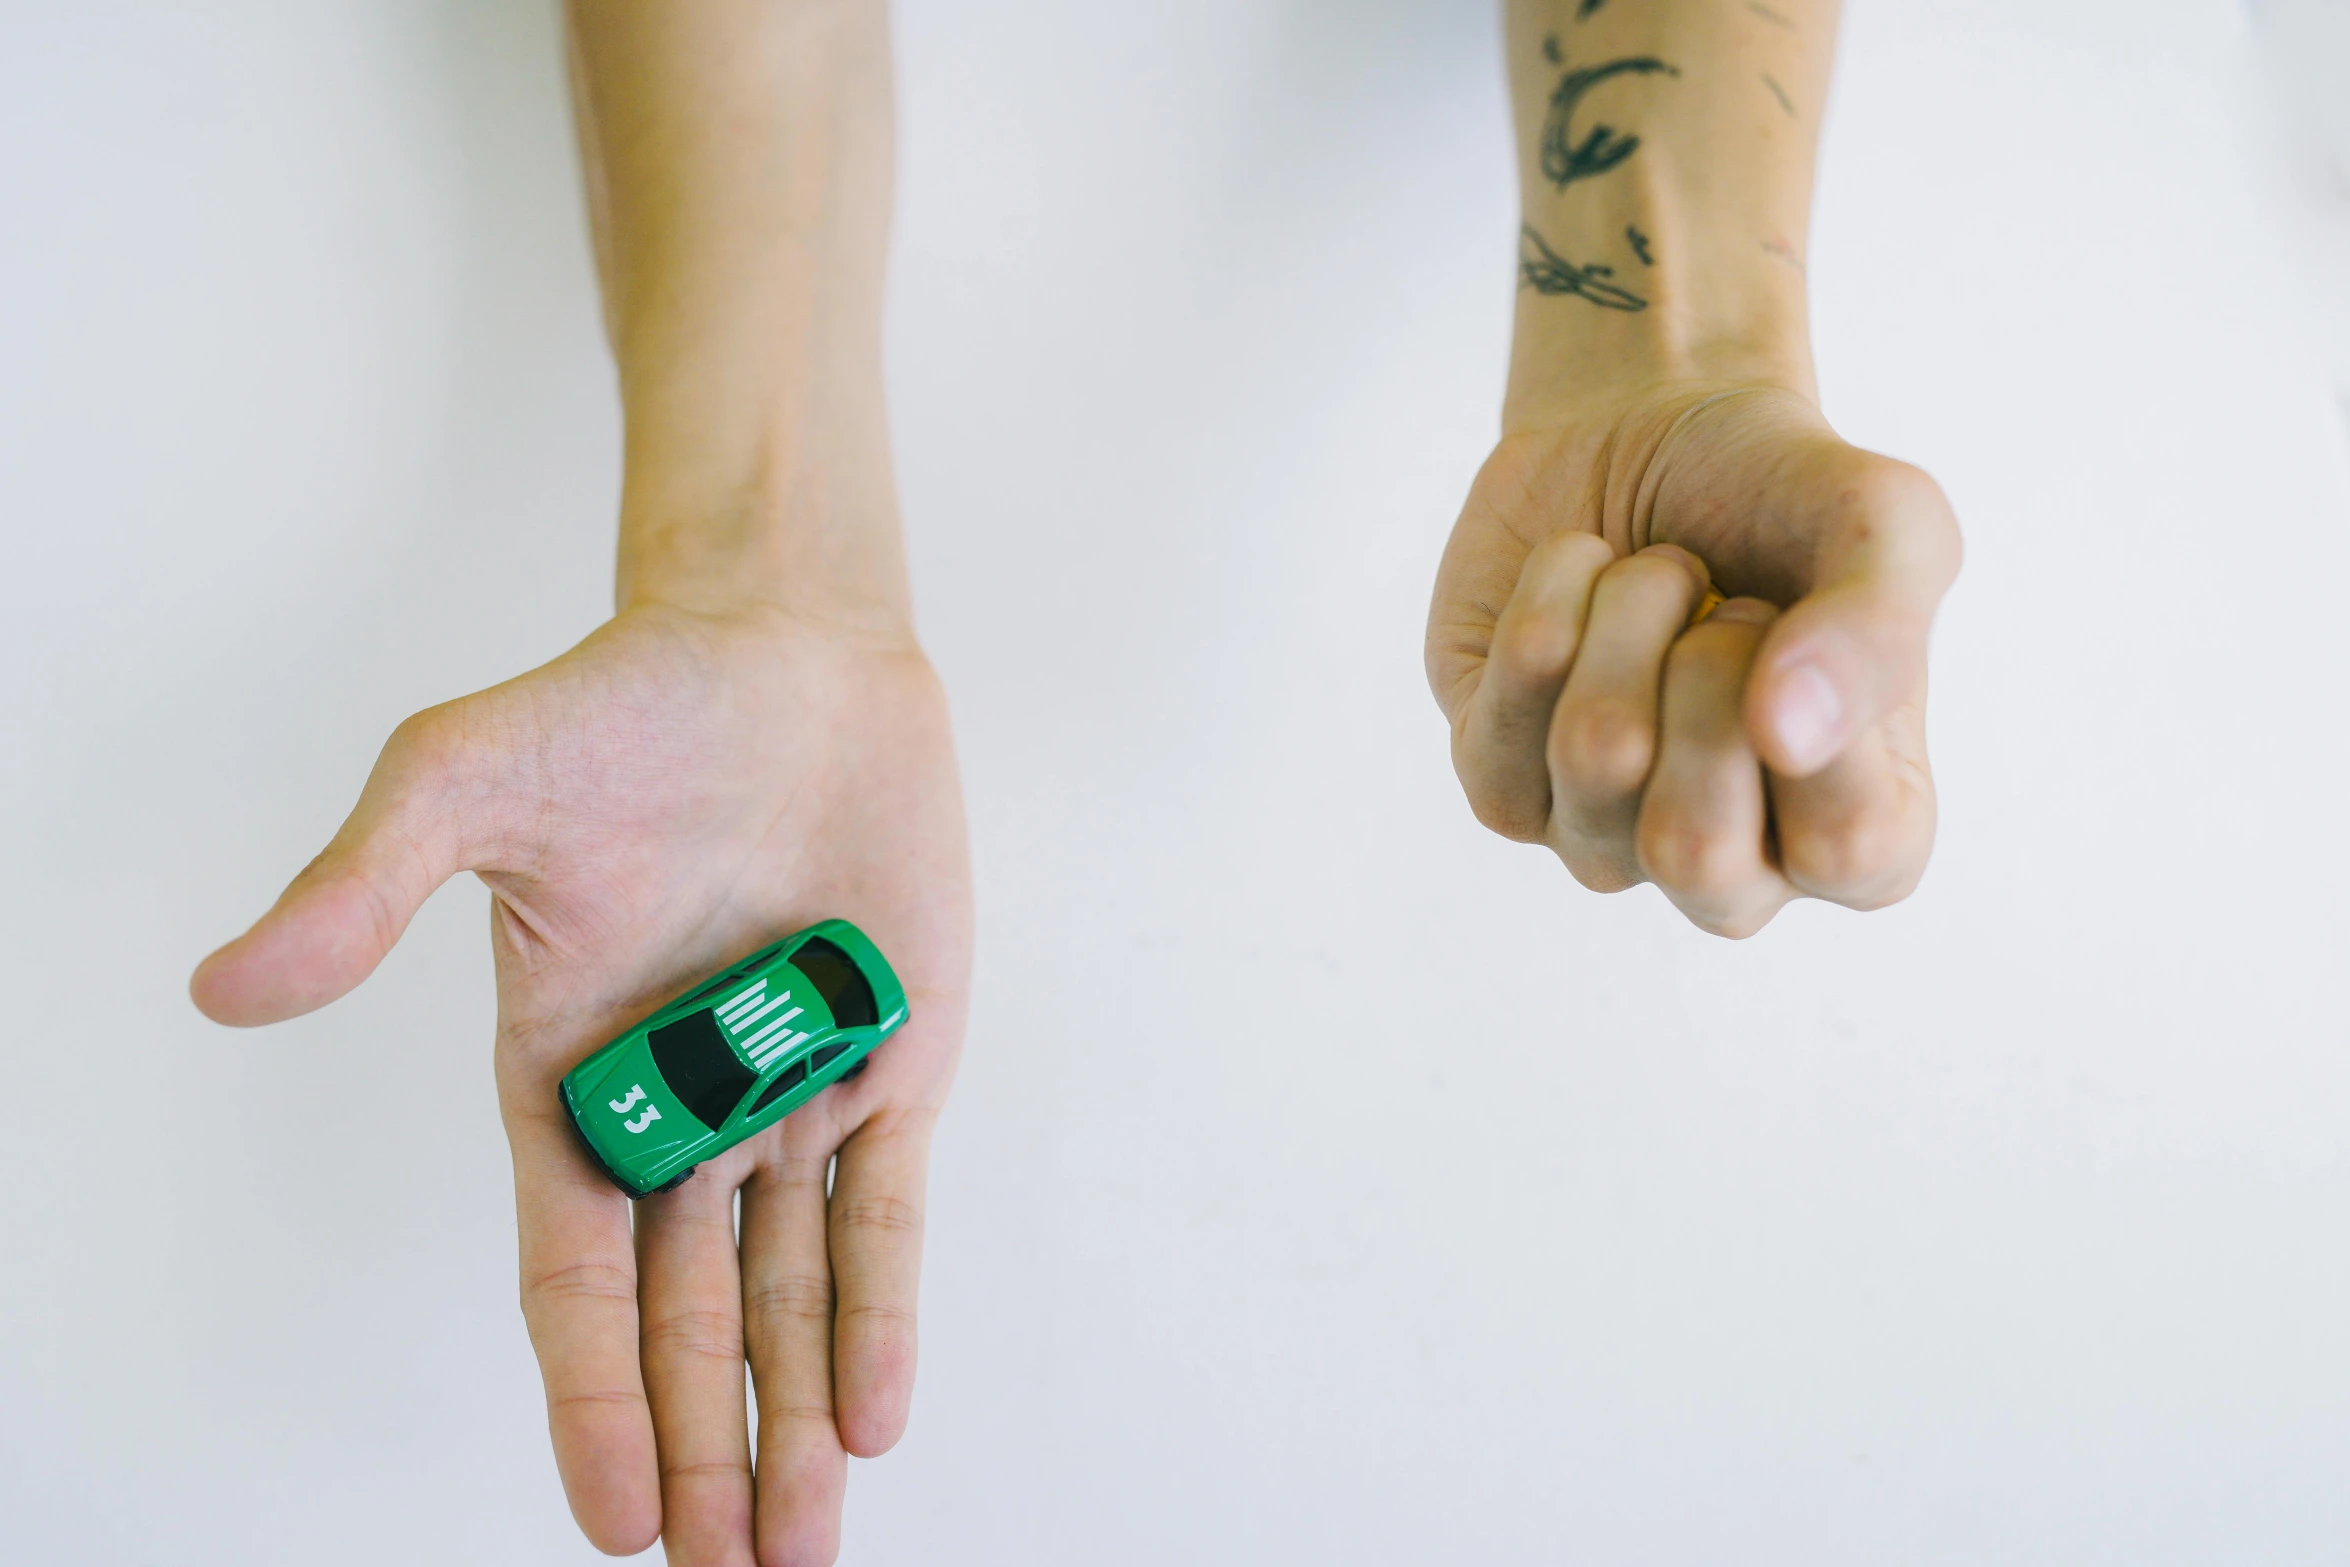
(1653, 457)
(753, 742)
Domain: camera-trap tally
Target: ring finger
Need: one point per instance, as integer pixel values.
(788, 1304)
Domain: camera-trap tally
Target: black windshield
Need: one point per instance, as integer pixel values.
(700, 1069)
(839, 981)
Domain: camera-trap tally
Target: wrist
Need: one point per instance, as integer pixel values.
(817, 540)
(1555, 378)
(770, 489)
(1684, 294)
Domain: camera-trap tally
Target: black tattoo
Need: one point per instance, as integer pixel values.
(1545, 271)
(1769, 15)
(1583, 11)
(1565, 160)
(1779, 93)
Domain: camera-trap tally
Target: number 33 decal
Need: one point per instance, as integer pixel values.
(635, 1096)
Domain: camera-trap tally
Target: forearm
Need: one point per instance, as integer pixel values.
(738, 158)
(1665, 160)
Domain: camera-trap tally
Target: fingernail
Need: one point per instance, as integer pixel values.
(1810, 714)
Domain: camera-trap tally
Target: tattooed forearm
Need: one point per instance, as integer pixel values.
(1565, 160)
(1566, 157)
(1658, 186)
(1545, 271)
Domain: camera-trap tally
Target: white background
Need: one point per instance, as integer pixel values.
(1328, 1181)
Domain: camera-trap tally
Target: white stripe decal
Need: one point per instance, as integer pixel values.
(740, 1023)
(743, 1001)
(778, 1050)
(752, 1043)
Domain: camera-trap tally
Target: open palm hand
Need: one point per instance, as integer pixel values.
(679, 789)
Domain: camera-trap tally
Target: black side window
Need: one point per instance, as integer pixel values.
(790, 1078)
(733, 974)
(699, 1068)
(839, 981)
(715, 986)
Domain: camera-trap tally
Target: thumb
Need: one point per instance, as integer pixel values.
(333, 925)
(1886, 548)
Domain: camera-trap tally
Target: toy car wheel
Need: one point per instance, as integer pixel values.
(675, 1181)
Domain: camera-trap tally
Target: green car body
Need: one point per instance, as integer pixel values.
(733, 1056)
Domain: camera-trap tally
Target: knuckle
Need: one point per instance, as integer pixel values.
(1717, 645)
(1597, 870)
(426, 742)
(1573, 555)
(427, 780)
(584, 1281)
(1511, 813)
(1655, 581)
(386, 915)
(876, 1319)
(705, 1469)
(880, 1216)
(622, 1397)
(1735, 927)
(1892, 484)
(1582, 549)
(1873, 484)
(791, 1170)
(1533, 647)
(1862, 857)
(1692, 860)
(782, 1414)
(1603, 749)
(716, 1335)
(898, 1123)
(793, 1297)
(1883, 896)
(1887, 495)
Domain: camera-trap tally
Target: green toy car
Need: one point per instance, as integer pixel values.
(734, 1056)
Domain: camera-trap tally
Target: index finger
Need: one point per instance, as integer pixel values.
(579, 1301)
